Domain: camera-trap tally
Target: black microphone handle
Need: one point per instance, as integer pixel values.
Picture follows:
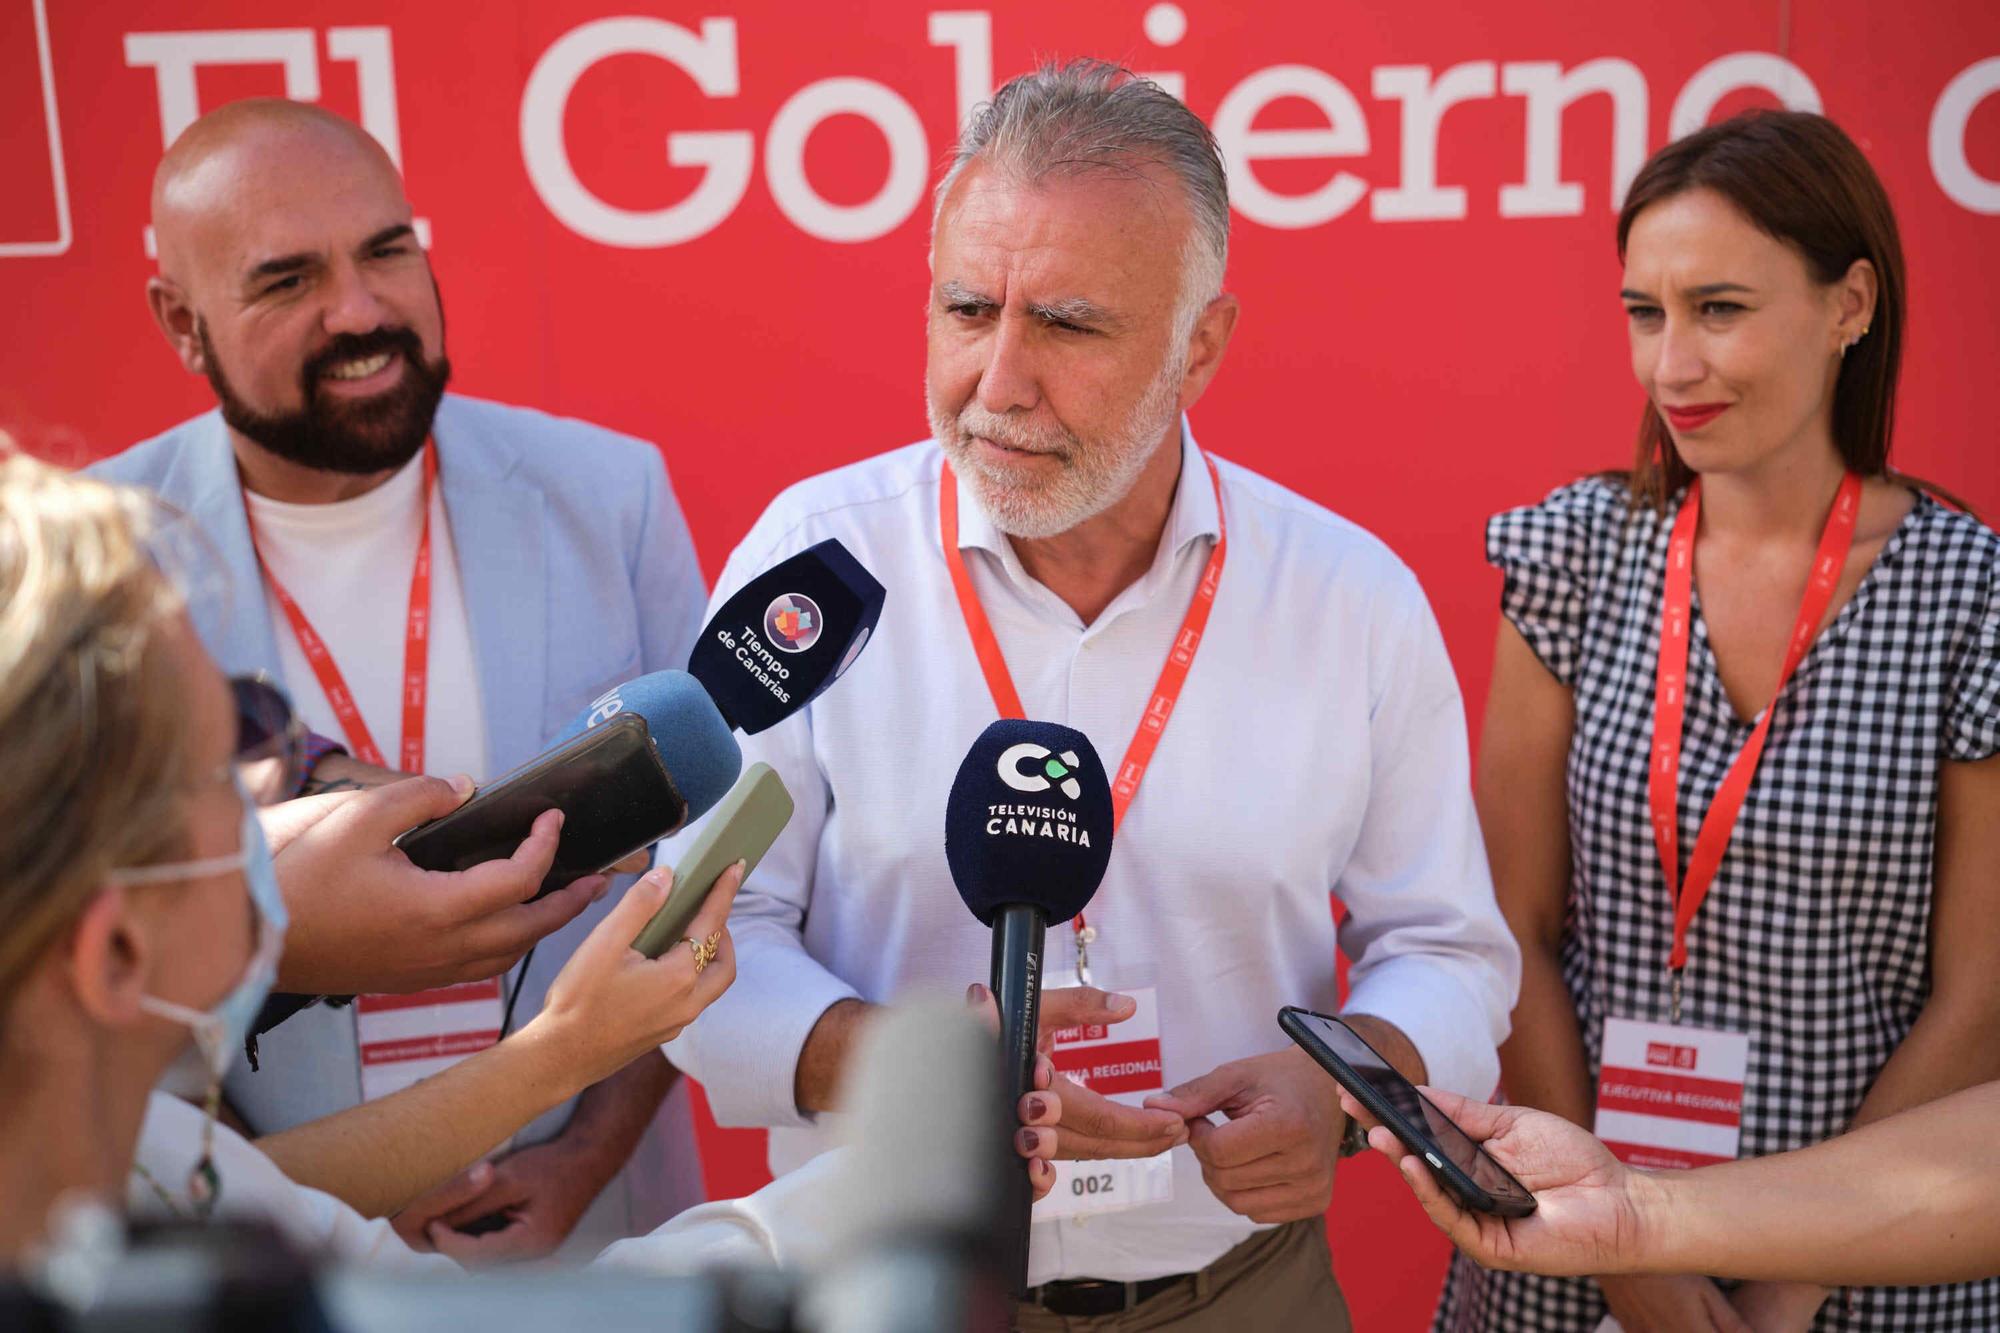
(1018, 932)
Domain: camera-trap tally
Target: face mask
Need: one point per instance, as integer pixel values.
(220, 1032)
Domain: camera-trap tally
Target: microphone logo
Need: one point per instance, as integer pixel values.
(603, 708)
(1055, 770)
(792, 621)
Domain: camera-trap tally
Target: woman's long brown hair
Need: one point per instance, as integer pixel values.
(1798, 178)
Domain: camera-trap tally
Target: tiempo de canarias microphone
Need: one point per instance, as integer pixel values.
(1027, 836)
(768, 651)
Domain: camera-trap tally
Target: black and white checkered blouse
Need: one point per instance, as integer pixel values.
(1814, 937)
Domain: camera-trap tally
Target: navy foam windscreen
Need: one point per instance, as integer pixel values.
(1029, 820)
(786, 635)
(696, 746)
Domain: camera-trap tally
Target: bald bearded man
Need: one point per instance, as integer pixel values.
(503, 565)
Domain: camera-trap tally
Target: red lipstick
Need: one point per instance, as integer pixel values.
(1694, 416)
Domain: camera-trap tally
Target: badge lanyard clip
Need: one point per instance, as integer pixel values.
(1085, 935)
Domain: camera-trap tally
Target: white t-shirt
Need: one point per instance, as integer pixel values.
(348, 566)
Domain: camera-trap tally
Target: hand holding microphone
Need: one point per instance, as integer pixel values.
(1082, 1125)
(365, 920)
(1027, 836)
(657, 751)
(638, 763)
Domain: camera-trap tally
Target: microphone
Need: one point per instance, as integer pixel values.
(649, 755)
(786, 635)
(680, 721)
(769, 650)
(1027, 835)
(921, 1178)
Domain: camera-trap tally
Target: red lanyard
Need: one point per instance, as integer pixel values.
(1670, 698)
(416, 647)
(1173, 675)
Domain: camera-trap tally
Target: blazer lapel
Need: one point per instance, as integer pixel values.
(497, 535)
(233, 620)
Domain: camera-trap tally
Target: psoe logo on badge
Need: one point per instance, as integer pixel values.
(1670, 1054)
(1055, 770)
(792, 621)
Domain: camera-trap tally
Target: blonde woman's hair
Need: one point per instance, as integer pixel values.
(92, 726)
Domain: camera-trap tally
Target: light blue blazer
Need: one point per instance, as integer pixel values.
(578, 573)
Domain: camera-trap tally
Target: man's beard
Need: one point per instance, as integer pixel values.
(1094, 475)
(328, 434)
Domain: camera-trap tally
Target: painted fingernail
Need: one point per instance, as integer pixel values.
(1037, 1108)
(1030, 1140)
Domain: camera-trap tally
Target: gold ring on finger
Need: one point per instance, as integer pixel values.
(701, 952)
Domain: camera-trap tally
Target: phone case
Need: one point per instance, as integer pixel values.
(1447, 1172)
(742, 827)
(615, 795)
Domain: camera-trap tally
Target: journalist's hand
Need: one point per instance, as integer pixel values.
(1589, 1217)
(364, 919)
(1040, 1110)
(611, 1003)
(1092, 1126)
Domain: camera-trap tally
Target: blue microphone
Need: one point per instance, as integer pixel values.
(649, 755)
(694, 742)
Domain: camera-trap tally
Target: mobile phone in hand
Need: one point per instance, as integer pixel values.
(742, 827)
(1461, 1167)
(615, 795)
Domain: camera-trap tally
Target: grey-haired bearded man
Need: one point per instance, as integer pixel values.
(1058, 545)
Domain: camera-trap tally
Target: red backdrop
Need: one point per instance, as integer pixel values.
(705, 226)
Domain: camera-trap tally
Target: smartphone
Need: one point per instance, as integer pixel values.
(1460, 1166)
(742, 827)
(614, 792)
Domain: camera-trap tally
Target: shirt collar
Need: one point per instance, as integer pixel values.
(1194, 514)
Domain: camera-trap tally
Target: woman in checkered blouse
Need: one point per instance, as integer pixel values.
(1851, 927)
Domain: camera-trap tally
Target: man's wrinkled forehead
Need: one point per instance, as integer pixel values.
(1099, 233)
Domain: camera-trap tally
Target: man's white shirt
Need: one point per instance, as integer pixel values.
(1318, 749)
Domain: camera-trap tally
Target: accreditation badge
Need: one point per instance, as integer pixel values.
(404, 1038)
(1120, 1061)
(1671, 1096)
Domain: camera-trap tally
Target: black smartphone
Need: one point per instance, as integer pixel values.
(1460, 1166)
(614, 792)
